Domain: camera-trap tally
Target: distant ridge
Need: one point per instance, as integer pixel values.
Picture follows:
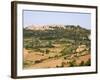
(44, 27)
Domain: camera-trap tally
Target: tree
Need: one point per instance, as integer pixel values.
(88, 63)
(47, 51)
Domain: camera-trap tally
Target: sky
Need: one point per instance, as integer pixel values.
(49, 17)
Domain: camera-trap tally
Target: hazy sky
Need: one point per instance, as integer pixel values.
(49, 17)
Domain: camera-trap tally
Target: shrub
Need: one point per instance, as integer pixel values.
(88, 63)
(57, 66)
(56, 56)
(28, 46)
(49, 57)
(25, 63)
(37, 61)
(65, 58)
(72, 63)
(82, 63)
(62, 64)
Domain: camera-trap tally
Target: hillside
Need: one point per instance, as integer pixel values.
(57, 31)
(63, 45)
